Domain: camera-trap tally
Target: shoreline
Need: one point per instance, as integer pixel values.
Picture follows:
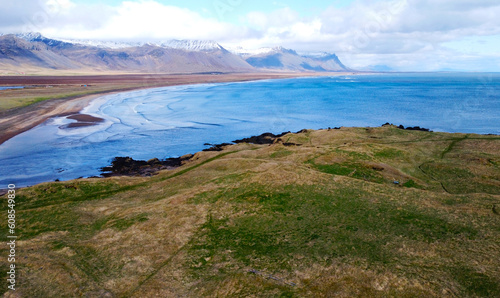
(18, 120)
(128, 167)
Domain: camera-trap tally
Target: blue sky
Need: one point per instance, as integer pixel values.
(406, 35)
(241, 7)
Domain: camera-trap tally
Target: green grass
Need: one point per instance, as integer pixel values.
(11, 103)
(351, 169)
(316, 220)
(125, 223)
(320, 224)
(410, 183)
(60, 193)
(281, 153)
(458, 179)
(389, 153)
(353, 154)
(474, 282)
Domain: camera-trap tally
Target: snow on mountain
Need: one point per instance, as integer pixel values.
(30, 36)
(103, 44)
(167, 56)
(188, 45)
(249, 52)
(314, 54)
(271, 50)
(37, 37)
(173, 56)
(253, 52)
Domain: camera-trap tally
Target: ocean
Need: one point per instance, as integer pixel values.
(10, 87)
(173, 121)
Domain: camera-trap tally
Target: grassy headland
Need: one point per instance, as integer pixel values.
(371, 212)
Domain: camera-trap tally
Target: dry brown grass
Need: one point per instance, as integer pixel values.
(325, 216)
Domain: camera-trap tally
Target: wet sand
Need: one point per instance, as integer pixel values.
(18, 120)
(83, 120)
(24, 119)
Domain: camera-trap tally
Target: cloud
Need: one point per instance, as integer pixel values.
(278, 18)
(12, 17)
(405, 34)
(131, 20)
(152, 20)
(366, 32)
(51, 16)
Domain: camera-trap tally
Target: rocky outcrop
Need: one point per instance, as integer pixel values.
(418, 128)
(127, 166)
(265, 138)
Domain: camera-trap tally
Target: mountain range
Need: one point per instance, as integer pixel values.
(32, 53)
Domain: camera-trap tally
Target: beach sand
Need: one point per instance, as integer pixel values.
(21, 119)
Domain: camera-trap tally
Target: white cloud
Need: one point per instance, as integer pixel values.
(367, 32)
(404, 34)
(150, 19)
(132, 20)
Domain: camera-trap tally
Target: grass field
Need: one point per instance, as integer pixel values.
(363, 212)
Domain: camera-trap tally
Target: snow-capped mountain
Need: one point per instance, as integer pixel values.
(188, 45)
(261, 51)
(34, 51)
(37, 37)
(250, 52)
(103, 44)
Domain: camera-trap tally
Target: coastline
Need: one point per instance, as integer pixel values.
(18, 120)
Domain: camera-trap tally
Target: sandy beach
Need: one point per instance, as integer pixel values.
(18, 120)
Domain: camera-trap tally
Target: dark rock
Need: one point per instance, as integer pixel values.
(130, 167)
(154, 161)
(216, 147)
(418, 128)
(265, 138)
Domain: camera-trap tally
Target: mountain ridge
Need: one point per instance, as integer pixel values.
(33, 51)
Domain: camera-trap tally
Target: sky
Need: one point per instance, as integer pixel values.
(400, 35)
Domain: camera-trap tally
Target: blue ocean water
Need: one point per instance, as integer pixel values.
(11, 87)
(173, 121)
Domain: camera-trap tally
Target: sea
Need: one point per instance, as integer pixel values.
(11, 87)
(174, 121)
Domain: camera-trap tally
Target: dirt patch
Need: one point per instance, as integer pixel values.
(85, 118)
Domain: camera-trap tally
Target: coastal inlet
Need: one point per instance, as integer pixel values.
(175, 121)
